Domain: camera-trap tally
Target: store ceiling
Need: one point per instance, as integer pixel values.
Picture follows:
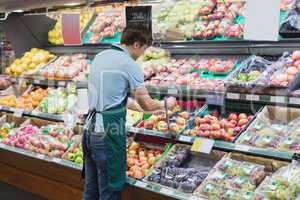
(12, 5)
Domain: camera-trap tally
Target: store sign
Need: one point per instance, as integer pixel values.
(262, 20)
(71, 29)
(136, 15)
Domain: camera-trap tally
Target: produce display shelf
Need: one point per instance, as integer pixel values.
(34, 113)
(40, 81)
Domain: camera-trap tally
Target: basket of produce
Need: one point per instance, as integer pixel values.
(211, 124)
(276, 128)
(181, 170)
(30, 63)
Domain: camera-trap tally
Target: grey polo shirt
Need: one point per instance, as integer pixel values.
(113, 75)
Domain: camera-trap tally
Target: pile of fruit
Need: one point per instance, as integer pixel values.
(229, 174)
(208, 84)
(133, 117)
(219, 128)
(66, 67)
(290, 67)
(29, 62)
(174, 171)
(51, 140)
(178, 121)
(30, 100)
(283, 184)
(75, 154)
(55, 35)
(106, 25)
(6, 130)
(140, 160)
(215, 65)
(57, 102)
(202, 19)
(8, 101)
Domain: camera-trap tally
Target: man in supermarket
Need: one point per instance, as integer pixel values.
(114, 76)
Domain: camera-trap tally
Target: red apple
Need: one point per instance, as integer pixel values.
(149, 124)
(243, 122)
(162, 126)
(232, 116)
(184, 115)
(242, 116)
(296, 55)
(216, 126)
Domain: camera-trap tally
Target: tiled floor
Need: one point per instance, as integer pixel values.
(8, 192)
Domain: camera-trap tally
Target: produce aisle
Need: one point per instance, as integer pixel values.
(240, 97)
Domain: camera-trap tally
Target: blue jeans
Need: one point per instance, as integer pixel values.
(95, 173)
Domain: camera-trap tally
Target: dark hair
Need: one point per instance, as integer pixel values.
(136, 33)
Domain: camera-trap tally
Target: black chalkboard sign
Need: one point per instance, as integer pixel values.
(139, 15)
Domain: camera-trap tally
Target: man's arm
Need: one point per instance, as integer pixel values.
(133, 105)
(148, 104)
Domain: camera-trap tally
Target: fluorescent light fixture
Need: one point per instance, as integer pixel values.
(72, 4)
(18, 11)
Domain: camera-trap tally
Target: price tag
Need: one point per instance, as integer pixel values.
(233, 95)
(202, 145)
(40, 156)
(61, 83)
(166, 191)
(18, 112)
(192, 197)
(295, 101)
(184, 138)
(35, 112)
(277, 99)
(1, 145)
(36, 81)
(83, 103)
(243, 148)
(141, 184)
(56, 160)
(215, 99)
(172, 91)
(252, 97)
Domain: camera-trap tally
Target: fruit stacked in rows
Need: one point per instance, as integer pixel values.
(30, 100)
(233, 175)
(29, 62)
(57, 101)
(66, 67)
(107, 24)
(6, 129)
(75, 155)
(219, 128)
(276, 136)
(215, 65)
(140, 160)
(158, 122)
(290, 67)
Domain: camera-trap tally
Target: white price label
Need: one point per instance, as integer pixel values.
(244, 148)
(295, 101)
(36, 81)
(202, 145)
(40, 156)
(192, 197)
(252, 97)
(166, 191)
(35, 112)
(172, 91)
(2, 145)
(277, 99)
(56, 160)
(141, 184)
(61, 83)
(18, 112)
(233, 95)
(184, 138)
